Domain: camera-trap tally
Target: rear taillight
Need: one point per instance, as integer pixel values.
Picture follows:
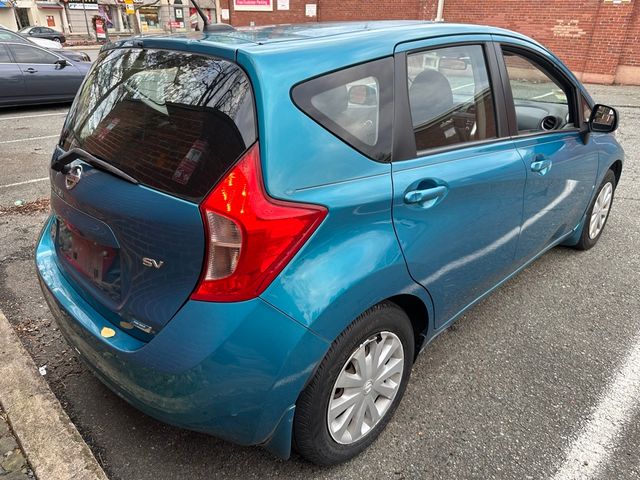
(250, 236)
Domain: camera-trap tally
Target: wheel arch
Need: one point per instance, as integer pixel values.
(418, 313)
(616, 167)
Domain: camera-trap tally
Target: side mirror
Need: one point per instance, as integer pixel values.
(362, 95)
(61, 64)
(603, 119)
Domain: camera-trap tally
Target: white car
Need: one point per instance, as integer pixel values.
(43, 42)
(74, 55)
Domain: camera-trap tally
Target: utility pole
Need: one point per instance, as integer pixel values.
(86, 21)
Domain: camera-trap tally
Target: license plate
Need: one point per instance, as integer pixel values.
(85, 255)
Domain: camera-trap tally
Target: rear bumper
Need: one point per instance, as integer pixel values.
(233, 370)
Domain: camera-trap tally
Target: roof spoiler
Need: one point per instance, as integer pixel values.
(208, 27)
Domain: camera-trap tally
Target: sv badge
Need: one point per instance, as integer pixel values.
(150, 262)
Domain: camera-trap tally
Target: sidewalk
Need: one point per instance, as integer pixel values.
(33, 425)
(13, 463)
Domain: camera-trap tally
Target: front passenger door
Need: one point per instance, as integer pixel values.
(561, 169)
(44, 79)
(457, 203)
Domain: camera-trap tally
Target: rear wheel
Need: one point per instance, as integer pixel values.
(598, 213)
(57, 39)
(356, 388)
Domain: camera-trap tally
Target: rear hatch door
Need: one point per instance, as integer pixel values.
(172, 123)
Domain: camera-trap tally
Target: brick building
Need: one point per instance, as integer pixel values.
(598, 39)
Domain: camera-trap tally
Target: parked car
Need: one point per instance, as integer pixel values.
(8, 35)
(43, 32)
(252, 245)
(34, 75)
(76, 56)
(44, 43)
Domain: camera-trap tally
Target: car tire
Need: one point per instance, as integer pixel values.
(316, 432)
(57, 39)
(598, 213)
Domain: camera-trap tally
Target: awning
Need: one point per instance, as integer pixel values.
(49, 5)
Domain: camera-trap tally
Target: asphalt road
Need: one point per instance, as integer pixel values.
(540, 380)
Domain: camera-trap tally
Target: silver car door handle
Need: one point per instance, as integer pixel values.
(31, 70)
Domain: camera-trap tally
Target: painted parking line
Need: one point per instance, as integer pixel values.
(26, 182)
(32, 116)
(591, 449)
(29, 138)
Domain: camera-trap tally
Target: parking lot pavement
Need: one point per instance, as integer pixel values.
(540, 380)
(27, 139)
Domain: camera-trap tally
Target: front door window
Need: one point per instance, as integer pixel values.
(541, 102)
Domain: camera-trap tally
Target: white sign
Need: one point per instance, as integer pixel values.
(283, 4)
(87, 6)
(224, 14)
(310, 10)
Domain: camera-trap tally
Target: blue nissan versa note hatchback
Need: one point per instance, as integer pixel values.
(254, 232)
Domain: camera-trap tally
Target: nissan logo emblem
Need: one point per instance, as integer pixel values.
(73, 177)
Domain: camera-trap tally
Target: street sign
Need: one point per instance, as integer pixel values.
(129, 7)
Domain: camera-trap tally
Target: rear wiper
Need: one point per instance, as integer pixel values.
(61, 164)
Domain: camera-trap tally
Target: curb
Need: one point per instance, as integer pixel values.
(51, 442)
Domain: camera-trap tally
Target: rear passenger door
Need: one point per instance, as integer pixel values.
(457, 179)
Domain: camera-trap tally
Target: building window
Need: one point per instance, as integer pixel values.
(51, 22)
(149, 17)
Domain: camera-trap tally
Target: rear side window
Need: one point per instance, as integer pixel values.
(354, 104)
(450, 96)
(174, 121)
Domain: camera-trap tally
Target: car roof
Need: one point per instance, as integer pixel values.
(285, 50)
(299, 36)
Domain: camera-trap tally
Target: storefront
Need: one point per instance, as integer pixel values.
(7, 17)
(114, 16)
(80, 13)
(149, 18)
(50, 14)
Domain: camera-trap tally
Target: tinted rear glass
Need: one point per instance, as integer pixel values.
(174, 121)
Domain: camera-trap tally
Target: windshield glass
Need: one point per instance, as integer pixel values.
(174, 121)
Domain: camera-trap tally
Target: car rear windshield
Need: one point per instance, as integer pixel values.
(174, 121)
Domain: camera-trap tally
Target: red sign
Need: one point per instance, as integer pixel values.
(100, 28)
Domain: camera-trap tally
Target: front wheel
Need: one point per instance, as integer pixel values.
(598, 213)
(356, 388)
